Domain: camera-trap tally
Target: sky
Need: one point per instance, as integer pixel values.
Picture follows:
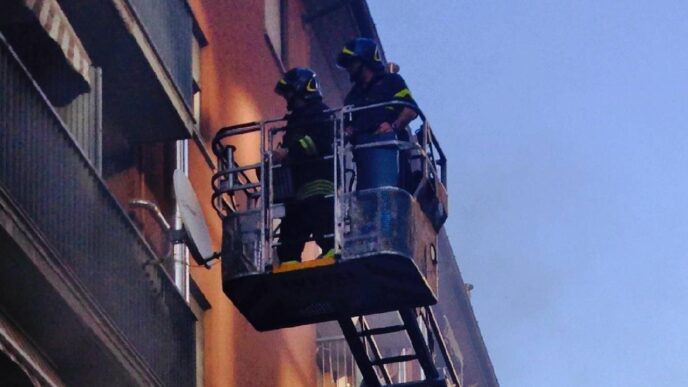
(566, 128)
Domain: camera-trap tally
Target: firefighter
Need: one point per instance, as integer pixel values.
(308, 138)
(377, 166)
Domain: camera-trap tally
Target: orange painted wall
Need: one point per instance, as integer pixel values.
(238, 74)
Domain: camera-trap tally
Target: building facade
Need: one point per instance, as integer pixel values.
(100, 102)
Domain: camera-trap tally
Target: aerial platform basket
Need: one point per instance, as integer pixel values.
(387, 263)
(385, 237)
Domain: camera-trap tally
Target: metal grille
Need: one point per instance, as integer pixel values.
(336, 364)
(49, 177)
(83, 118)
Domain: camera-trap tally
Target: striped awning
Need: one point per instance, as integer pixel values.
(55, 23)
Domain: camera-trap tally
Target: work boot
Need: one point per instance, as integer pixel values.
(329, 254)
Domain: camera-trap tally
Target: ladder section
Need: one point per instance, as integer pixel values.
(364, 347)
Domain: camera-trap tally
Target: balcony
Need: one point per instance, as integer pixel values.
(145, 50)
(75, 274)
(169, 24)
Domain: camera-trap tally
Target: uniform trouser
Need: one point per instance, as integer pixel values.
(303, 218)
(378, 166)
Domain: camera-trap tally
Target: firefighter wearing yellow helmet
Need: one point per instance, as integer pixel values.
(379, 166)
(307, 140)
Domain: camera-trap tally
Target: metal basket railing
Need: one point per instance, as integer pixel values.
(252, 186)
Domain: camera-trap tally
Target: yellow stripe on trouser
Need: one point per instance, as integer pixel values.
(315, 188)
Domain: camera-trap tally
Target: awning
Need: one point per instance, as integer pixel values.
(56, 24)
(42, 37)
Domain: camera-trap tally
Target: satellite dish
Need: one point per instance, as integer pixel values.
(197, 236)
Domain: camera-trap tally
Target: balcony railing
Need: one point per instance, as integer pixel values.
(50, 180)
(336, 364)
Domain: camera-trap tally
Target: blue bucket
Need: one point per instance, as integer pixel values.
(376, 167)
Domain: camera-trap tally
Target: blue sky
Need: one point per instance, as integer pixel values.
(566, 128)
